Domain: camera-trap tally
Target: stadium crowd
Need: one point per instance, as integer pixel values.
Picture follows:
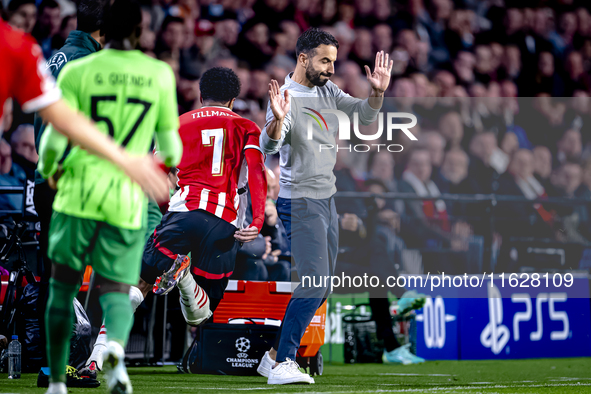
(464, 67)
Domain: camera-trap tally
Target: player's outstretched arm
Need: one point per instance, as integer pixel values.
(257, 184)
(81, 131)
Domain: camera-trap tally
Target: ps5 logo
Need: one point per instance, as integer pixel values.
(434, 318)
(496, 335)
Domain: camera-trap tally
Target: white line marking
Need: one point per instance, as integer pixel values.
(219, 388)
(444, 388)
(414, 374)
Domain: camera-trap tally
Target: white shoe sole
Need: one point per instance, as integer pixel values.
(294, 380)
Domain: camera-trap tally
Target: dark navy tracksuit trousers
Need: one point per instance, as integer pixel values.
(313, 232)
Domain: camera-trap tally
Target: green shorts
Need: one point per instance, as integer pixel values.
(114, 253)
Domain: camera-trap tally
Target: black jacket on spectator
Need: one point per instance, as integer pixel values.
(485, 178)
(519, 219)
(415, 226)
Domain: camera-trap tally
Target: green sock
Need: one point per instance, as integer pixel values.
(59, 319)
(118, 316)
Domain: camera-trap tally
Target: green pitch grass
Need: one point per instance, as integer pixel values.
(521, 376)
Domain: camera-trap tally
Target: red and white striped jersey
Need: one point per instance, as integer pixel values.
(22, 72)
(213, 168)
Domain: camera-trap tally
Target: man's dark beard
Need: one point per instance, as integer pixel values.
(314, 76)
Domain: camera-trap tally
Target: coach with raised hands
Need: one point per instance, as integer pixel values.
(306, 203)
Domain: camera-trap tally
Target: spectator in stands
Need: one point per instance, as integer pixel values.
(362, 51)
(22, 143)
(585, 188)
(207, 48)
(11, 174)
(452, 129)
(524, 219)
(543, 166)
(487, 163)
(48, 26)
(382, 38)
(268, 256)
(380, 165)
(26, 13)
(576, 225)
(253, 44)
(464, 67)
(570, 147)
(562, 38)
(434, 143)
(509, 144)
(426, 224)
(278, 260)
(454, 173)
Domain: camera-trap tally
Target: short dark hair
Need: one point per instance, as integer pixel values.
(121, 19)
(312, 39)
(16, 4)
(89, 16)
(170, 19)
(374, 181)
(219, 84)
(48, 4)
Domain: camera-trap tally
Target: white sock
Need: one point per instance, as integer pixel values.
(194, 301)
(136, 298)
(58, 387)
(99, 347)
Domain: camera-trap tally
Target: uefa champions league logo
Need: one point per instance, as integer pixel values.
(242, 345)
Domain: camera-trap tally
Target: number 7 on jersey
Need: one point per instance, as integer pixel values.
(215, 138)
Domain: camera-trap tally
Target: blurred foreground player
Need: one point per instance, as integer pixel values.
(99, 214)
(23, 75)
(83, 41)
(220, 152)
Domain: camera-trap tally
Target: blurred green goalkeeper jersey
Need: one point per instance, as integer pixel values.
(129, 96)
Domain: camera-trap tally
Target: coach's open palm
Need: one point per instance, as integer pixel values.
(380, 78)
(279, 102)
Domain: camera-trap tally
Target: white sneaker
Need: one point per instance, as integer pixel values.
(266, 365)
(288, 372)
(117, 379)
(57, 388)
